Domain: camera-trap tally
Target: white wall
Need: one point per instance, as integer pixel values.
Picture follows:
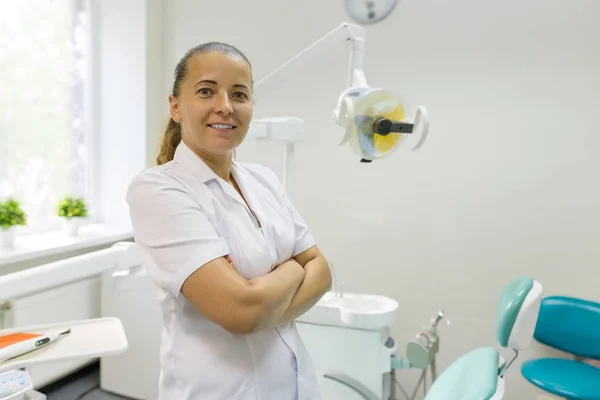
(507, 183)
(127, 50)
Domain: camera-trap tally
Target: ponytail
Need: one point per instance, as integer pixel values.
(170, 141)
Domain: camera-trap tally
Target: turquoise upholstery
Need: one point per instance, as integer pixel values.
(571, 325)
(474, 376)
(566, 378)
(511, 300)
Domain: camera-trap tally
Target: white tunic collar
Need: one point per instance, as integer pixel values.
(191, 161)
(184, 155)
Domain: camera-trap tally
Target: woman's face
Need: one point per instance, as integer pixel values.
(214, 106)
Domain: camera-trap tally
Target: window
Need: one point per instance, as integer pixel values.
(44, 118)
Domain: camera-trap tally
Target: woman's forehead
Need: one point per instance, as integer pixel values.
(220, 68)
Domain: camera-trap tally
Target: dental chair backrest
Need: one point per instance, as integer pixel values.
(477, 374)
(518, 311)
(570, 324)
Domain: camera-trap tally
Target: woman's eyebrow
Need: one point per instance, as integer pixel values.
(206, 81)
(211, 82)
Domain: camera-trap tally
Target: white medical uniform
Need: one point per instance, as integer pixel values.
(184, 215)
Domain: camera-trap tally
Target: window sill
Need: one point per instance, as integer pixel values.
(33, 248)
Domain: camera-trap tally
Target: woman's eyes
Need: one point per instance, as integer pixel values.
(204, 92)
(207, 92)
(244, 96)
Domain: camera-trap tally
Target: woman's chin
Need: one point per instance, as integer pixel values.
(219, 145)
(224, 148)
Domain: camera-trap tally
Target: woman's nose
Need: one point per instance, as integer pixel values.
(223, 104)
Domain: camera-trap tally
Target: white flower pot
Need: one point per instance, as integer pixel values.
(7, 237)
(72, 226)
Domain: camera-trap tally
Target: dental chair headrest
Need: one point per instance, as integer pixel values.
(518, 312)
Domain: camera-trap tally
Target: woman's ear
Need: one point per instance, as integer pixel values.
(174, 109)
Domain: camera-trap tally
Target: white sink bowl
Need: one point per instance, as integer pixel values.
(353, 310)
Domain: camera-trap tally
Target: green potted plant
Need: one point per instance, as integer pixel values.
(11, 215)
(74, 211)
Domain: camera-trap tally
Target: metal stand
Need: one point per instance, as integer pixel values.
(421, 354)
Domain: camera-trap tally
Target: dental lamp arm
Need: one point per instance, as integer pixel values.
(344, 32)
(317, 281)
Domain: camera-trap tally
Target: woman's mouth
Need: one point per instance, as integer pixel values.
(222, 127)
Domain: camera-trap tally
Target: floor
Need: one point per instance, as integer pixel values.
(84, 385)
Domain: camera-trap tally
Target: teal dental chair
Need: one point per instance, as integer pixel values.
(571, 325)
(479, 374)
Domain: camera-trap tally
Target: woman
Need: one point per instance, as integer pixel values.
(232, 260)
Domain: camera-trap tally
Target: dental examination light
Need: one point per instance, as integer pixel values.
(375, 121)
(369, 11)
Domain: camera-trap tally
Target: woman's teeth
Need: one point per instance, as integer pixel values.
(221, 126)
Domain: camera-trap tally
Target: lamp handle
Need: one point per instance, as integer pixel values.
(422, 122)
(345, 115)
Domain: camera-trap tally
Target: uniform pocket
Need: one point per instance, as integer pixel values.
(248, 393)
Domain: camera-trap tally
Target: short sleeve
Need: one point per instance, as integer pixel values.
(174, 235)
(303, 238)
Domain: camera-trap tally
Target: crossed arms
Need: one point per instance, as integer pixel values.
(220, 293)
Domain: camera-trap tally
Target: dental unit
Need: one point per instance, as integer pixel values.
(348, 335)
(375, 122)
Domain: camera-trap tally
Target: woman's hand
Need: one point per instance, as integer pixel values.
(218, 291)
(284, 280)
(289, 273)
(317, 281)
(293, 266)
(231, 263)
(292, 269)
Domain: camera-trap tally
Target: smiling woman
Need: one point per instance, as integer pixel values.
(215, 113)
(234, 262)
(195, 91)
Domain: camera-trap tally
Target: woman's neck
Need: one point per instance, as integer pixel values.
(220, 163)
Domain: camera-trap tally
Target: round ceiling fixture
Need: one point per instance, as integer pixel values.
(369, 11)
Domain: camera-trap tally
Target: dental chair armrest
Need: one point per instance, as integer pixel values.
(353, 384)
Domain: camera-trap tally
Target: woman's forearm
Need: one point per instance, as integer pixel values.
(274, 292)
(317, 281)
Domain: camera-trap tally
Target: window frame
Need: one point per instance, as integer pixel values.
(122, 132)
(89, 100)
